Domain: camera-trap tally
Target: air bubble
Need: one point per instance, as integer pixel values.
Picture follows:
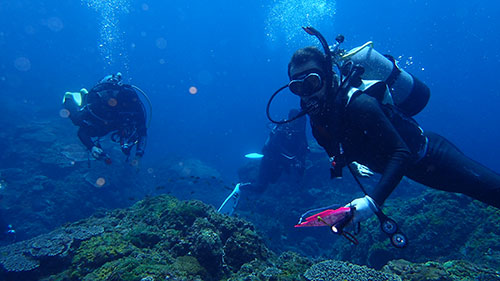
(287, 16)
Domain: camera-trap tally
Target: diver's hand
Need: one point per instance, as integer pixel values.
(361, 170)
(97, 152)
(365, 207)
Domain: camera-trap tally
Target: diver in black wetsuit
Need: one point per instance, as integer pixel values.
(109, 107)
(360, 128)
(285, 150)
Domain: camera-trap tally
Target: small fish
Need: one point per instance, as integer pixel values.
(131, 198)
(192, 192)
(160, 187)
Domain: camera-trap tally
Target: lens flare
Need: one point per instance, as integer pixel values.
(100, 182)
(22, 64)
(161, 43)
(55, 24)
(112, 102)
(64, 113)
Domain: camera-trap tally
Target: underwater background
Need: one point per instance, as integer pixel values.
(235, 54)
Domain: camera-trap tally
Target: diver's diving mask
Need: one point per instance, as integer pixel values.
(306, 85)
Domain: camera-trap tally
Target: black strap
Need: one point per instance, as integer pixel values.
(349, 236)
(394, 73)
(357, 180)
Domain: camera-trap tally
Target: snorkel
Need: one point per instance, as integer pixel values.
(328, 55)
(328, 79)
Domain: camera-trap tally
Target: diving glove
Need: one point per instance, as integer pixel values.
(97, 152)
(365, 207)
(361, 170)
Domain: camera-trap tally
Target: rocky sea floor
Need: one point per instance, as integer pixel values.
(163, 238)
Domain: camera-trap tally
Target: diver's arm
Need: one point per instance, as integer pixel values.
(141, 146)
(368, 117)
(85, 138)
(141, 142)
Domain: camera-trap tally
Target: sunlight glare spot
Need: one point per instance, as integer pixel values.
(112, 102)
(100, 182)
(64, 113)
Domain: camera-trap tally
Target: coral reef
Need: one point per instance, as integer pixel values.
(331, 270)
(430, 219)
(157, 237)
(447, 271)
(162, 238)
(50, 248)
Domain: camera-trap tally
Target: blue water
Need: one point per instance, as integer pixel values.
(235, 53)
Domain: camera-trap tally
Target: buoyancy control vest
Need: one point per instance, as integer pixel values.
(111, 102)
(408, 128)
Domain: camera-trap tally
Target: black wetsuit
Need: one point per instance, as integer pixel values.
(285, 150)
(389, 143)
(111, 107)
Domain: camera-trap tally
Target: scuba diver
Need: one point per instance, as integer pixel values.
(110, 107)
(362, 112)
(285, 150)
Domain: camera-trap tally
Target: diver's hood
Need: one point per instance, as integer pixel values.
(112, 78)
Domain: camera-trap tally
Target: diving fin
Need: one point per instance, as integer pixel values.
(76, 96)
(229, 205)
